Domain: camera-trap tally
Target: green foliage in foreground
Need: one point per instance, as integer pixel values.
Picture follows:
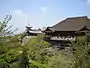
(37, 53)
(42, 55)
(81, 53)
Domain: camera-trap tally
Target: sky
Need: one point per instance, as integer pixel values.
(42, 13)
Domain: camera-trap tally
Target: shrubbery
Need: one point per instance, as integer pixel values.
(37, 53)
(80, 49)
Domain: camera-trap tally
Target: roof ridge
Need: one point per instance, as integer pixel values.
(59, 22)
(77, 17)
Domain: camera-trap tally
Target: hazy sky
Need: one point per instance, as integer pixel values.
(42, 13)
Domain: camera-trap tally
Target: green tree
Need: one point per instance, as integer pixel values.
(4, 29)
(9, 50)
(80, 49)
(42, 55)
(36, 49)
(23, 60)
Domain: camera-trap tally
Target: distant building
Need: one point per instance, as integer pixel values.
(32, 32)
(60, 34)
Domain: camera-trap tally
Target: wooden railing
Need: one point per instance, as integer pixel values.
(62, 38)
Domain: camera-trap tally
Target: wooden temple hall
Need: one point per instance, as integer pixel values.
(60, 34)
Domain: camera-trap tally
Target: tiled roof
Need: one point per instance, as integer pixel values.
(72, 24)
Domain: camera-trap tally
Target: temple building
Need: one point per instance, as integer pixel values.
(32, 32)
(63, 32)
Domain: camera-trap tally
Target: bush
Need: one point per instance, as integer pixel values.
(80, 49)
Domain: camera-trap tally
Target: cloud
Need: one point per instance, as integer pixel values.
(43, 9)
(19, 19)
(88, 1)
(19, 12)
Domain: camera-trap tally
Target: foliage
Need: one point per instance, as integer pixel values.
(80, 50)
(42, 55)
(37, 53)
(35, 48)
(9, 50)
(4, 28)
(23, 60)
(60, 61)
